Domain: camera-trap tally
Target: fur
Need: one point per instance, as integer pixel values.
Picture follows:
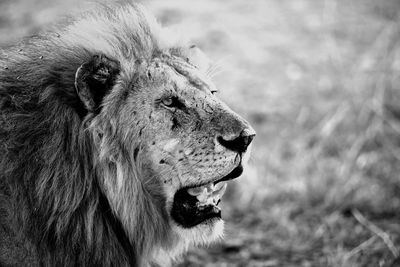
(52, 208)
(102, 122)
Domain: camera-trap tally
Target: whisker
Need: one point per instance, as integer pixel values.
(216, 68)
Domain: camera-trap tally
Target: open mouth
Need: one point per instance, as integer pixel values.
(195, 205)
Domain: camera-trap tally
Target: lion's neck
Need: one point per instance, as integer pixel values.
(120, 235)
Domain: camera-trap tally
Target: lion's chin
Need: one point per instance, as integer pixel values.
(205, 233)
(209, 231)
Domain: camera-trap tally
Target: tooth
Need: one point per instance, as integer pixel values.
(220, 186)
(209, 194)
(220, 191)
(203, 196)
(210, 187)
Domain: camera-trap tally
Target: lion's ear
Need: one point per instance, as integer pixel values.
(94, 79)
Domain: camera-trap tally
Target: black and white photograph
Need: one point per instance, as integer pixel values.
(191, 133)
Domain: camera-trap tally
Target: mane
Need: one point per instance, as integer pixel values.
(49, 186)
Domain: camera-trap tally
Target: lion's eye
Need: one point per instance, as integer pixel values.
(214, 92)
(172, 102)
(169, 101)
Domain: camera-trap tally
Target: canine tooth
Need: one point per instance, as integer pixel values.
(220, 185)
(203, 196)
(221, 190)
(208, 194)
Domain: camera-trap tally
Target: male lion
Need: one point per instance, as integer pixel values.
(114, 150)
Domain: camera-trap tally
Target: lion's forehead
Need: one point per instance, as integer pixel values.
(180, 72)
(196, 77)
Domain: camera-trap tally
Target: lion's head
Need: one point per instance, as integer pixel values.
(161, 144)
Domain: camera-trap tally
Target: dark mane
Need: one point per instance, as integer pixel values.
(48, 187)
(46, 166)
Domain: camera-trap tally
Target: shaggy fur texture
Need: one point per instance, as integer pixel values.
(52, 211)
(78, 184)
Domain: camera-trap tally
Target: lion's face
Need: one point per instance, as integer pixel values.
(166, 145)
(190, 140)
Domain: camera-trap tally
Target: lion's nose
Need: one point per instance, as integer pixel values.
(238, 142)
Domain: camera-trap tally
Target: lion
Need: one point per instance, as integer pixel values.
(114, 148)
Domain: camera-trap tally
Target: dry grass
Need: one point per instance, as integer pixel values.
(319, 81)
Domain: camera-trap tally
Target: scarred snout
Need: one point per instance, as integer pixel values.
(238, 135)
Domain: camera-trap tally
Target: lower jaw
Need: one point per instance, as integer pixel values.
(188, 218)
(211, 221)
(206, 232)
(190, 208)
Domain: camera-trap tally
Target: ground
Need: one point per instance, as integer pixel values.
(319, 81)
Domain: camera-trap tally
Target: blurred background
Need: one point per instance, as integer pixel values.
(319, 81)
